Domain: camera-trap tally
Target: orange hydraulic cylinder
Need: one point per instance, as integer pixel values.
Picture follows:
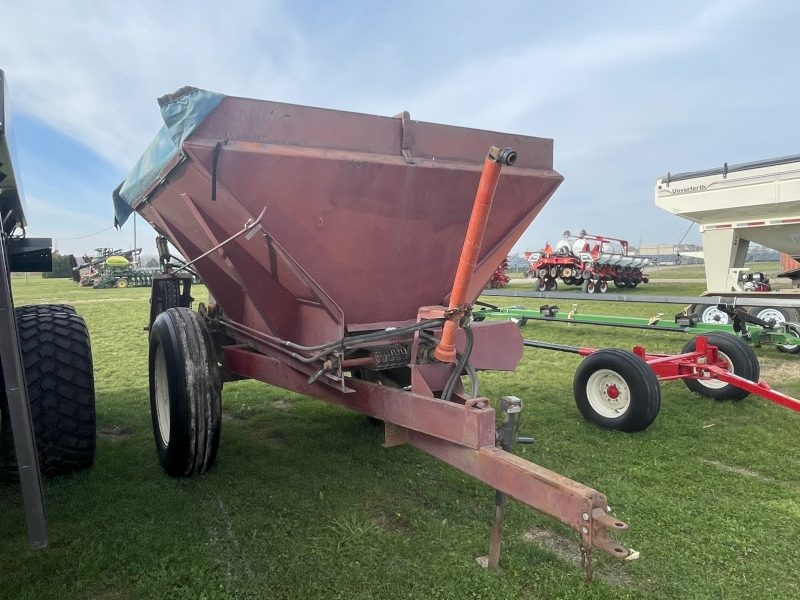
(446, 350)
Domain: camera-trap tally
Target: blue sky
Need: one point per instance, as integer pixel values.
(628, 90)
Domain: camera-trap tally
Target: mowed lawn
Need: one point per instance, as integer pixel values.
(305, 503)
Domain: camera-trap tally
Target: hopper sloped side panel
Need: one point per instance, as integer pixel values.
(381, 238)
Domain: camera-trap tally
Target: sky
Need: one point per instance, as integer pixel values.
(628, 90)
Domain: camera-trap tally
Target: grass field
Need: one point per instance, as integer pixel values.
(304, 502)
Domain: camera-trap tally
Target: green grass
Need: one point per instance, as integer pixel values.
(305, 503)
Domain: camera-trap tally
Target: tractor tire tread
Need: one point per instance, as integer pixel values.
(57, 358)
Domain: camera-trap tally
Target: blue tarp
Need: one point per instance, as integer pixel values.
(182, 112)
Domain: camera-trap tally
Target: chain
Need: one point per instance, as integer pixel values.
(586, 562)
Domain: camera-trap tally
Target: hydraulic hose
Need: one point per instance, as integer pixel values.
(460, 365)
(471, 372)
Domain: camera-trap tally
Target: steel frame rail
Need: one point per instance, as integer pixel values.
(731, 300)
(756, 335)
(462, 435)
(19, 411)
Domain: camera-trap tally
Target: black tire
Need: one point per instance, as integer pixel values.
(645, 280)
(396, 378)
(185, 393)
(777, 315)
(588, 286)
(634, 382)
(170, 293)
(601, 287)
(521, 321)
(792, 329)
(122, 282)
(742, 361)
(551, 285)
(59, 373)
(540, 285)
(619, 283)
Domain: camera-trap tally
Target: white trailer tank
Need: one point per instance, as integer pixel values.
(735, 205)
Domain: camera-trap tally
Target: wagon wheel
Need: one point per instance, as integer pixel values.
(121, 283)
(617, 390)
(588, 286)
(741, 361)
(602, 286)
(541, 285)
(521, 321)
(185, 393)
(792, 329)
(776, 315)
(551, 285)
(709, 313)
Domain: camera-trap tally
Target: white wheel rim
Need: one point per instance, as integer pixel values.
(772, 314)
(608, 394)
(516, 320)
(714, 315)
(603, 287)
(161, 381)
(716, 384)
(790, 347)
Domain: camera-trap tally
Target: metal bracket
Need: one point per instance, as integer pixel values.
(405, 132)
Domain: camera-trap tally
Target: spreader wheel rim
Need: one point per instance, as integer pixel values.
(161, 392)
(603, 286)
(608, 393)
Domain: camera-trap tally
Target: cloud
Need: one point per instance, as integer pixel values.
(627, 90)
(511, 84)
(92, 69)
